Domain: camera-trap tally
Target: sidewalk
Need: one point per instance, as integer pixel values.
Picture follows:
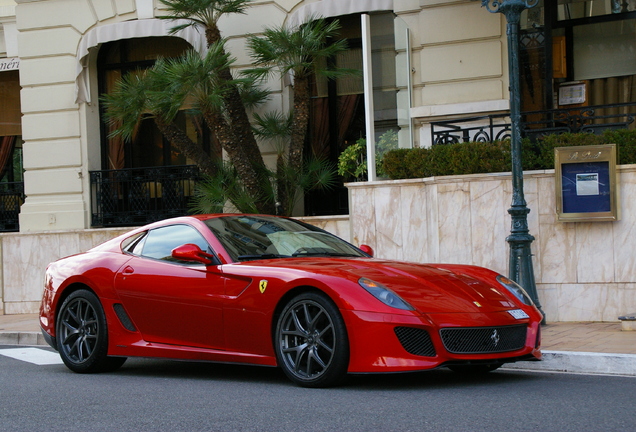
(567, 347)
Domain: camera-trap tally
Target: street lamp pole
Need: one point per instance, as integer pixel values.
(521, 270)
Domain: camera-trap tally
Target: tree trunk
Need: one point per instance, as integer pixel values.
(188, 147)
(237, 138)
(299, 123)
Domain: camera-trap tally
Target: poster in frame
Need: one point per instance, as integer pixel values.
(586, 183)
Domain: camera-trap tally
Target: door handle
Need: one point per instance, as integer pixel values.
(128, 270)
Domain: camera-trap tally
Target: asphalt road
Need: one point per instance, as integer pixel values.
(157, 395)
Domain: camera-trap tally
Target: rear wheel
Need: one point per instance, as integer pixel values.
(311, 341)
(82, 335)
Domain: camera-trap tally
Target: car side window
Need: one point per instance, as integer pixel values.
(160, 242)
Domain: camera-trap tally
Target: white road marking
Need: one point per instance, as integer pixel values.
(33, 355)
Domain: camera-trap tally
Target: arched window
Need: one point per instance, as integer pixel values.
(147, 147)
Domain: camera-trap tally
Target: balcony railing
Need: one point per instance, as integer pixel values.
(138, 196)
(535, 124)
(11, 198)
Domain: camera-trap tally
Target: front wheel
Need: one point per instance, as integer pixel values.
(82, 336)
(311, 341)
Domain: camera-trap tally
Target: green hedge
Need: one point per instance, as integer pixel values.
(485, 157)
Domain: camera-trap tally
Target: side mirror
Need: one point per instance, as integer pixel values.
(366, 249)
(192, 252)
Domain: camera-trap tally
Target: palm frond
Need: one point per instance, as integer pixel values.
(273, 125)
(126, 104)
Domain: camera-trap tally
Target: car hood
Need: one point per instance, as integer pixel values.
(426, 287)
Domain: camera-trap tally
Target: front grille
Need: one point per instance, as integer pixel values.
(415, 341)
(477, 340)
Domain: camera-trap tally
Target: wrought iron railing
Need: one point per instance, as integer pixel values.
(478, 129)
(11, 198)
(535, 124)
(593, 119)
(137, 196)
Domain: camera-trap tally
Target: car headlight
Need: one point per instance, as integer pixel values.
(384, 294)
(515, 289)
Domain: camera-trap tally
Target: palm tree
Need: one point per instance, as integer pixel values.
(162, 91)
(207, 86)
(300, 52)
(233, 129)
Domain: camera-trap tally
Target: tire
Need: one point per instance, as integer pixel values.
(82, 335)
(474, 369)
(311, 341)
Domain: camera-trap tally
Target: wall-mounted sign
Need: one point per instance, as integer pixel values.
(586, 183)
(7, 64)
(572, 93)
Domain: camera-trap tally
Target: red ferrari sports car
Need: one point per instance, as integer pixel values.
(275, 291)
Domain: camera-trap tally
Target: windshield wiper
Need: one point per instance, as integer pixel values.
(331, 254)
(260, 256)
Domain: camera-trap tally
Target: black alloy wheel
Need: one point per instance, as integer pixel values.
(311, 341)
(82, 336)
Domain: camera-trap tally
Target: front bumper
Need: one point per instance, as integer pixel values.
(376, 346)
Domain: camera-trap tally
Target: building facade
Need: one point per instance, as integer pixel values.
(425, 63)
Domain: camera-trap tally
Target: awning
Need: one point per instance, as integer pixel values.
(334, 8)
(126, 30)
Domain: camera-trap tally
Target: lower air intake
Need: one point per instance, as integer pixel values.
(415, 341)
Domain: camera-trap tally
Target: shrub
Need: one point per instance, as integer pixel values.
(484, 157)
(352, 162)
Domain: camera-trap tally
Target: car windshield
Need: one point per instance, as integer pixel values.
(262, 237)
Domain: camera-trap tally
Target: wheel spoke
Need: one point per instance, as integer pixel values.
(314, 320)
(325, 346)
(313, 355)
(297, 323)
(302, 353)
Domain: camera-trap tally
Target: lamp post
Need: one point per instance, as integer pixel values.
(520, 261)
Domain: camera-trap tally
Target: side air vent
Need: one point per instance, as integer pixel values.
(124, 319)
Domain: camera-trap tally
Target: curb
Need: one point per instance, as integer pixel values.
(22, 338)
(581, 362)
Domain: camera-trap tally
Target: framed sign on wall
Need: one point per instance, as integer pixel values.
(586, 183)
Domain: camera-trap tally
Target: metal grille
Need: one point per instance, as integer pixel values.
(11, 198)
(483, 339)
(138, 196)
(415, 341)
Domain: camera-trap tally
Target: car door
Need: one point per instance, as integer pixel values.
(172, 302)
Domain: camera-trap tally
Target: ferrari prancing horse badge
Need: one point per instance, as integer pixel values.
(262, 286)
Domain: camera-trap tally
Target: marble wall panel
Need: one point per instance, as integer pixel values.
(488, 224)
(627, 299)
(362, 213)
(625, 230)
(25, 258)
(595, 252)
(556, 244)
(413, 207)
(432, 216)
(388, 216)
(580, 302)
(454, 222)
(549, 299)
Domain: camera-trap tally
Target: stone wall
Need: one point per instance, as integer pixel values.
(584, 271)
(24, 258)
